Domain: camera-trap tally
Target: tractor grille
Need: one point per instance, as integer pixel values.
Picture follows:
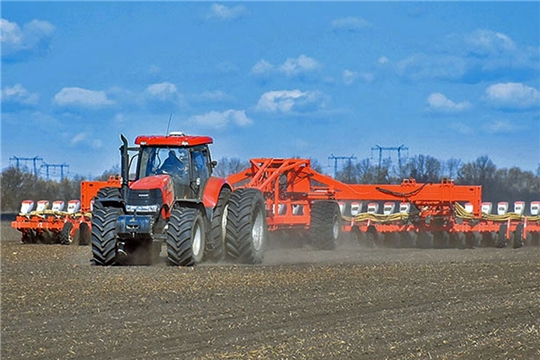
(145, 197)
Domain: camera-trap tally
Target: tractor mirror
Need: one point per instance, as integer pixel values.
(213, 163)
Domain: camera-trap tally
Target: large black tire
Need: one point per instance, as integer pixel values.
(392, 239)
(441, 239)
(104, 235)
(29, 237)
(186, 236)
(83, 235)
(458, 240)
(47, 237)
(325, 224)
(473, 239)
(215, 246)
(408, 239)
(488, 239)
(425, 240)
(65, 237)
(518, 236)
(502, 240)
(247, 229)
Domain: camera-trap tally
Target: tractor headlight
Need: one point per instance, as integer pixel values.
(142, 208)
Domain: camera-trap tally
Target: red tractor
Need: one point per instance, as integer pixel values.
(174, 199)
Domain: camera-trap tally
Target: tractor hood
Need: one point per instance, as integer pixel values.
(151, 190)
(152, 182)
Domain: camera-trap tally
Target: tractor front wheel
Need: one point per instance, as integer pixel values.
(104, 235)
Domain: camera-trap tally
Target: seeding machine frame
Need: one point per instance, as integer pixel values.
(56, 225)
(430, 214)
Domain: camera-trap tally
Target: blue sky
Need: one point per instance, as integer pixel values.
(272, 79)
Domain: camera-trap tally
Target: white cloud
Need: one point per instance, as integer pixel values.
(513, 96)
(119, 118)
(489, 42)
(30, 37)
(292, 67)
(220, 120)
(427, 67)
(302, 64)
(500, 126)
(350, 77)
(383, 60)
(82, 139)
(78, 138)
(287, 101)
(462, 128)
(11, 33)
(437, 102)
(213, 96)
(75, 96)
(223, 12)
(18, 94)
(350, 24)
(262, 67)
(163, 91)
(154, 69)
(490, 54)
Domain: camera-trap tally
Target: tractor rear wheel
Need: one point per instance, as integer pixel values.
(215, 247)
(247, 230)
(65, 237)
(186, 237)
(325, 225)
(104, 235)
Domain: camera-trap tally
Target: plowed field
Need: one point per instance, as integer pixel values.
(352, 303)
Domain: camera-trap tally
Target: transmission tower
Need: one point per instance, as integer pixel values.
(381, 149)
(337, 158)
(55, 166)
(34, 161)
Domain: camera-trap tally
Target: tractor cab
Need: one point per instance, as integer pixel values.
(185, 159)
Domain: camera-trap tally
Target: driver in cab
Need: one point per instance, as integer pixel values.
(174, 165)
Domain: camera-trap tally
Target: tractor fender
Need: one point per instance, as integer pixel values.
(212, 190)
(194, 204)
(116, 202)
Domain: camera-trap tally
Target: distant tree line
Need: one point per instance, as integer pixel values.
(503, 184)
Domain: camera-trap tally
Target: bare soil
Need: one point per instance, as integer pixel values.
(351, 303)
